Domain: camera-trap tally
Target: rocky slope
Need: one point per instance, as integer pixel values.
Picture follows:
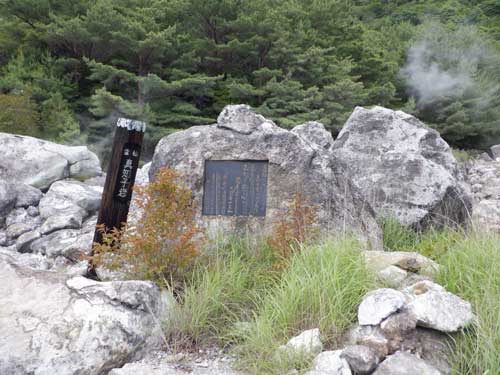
(56, 321)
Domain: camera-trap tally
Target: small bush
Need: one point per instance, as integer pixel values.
(165, 243)
(293, 229)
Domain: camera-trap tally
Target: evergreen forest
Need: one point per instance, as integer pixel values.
(69, 68)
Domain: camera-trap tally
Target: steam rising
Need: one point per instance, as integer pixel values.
(445, 63)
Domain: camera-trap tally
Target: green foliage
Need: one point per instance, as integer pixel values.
(322, 288)
(220, 294)
(176, 63)
(470, 269)
(18, 114)
(432, 243)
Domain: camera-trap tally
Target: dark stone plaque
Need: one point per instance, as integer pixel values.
(235, 187)
(126, 173)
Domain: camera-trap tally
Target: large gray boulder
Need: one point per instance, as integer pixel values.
(39, 163)
(53, 324)
(299, 161)
(403, 168)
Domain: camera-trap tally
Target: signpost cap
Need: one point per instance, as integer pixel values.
(129, 124)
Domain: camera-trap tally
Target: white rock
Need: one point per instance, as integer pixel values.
(24, 241)
(409, 261)
(403, 363)
(15, 230)
(40, 163)
(331, 363)
(392, 276)
(55, 325)
(70, 243)
(63, 221)
(308, 342)
(70, 197)
(379, 304)
(8, 197)
(362, 359)
(436, 308)
(27, 195)
(404, 169)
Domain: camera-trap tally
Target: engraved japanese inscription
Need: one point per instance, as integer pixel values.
(235, 187)
(126, 173)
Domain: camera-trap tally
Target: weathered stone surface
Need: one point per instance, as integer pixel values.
(27, 195)
(362, 359)
(405, 169)
(392, 276)
(331, 363)
(371, 336)
(15, 230)
(403, 363)
(4, 241)
(70, 197)
(63, 221)
(399, 324)
(70, 243)
(294, 166)
(495, 151)
(315, 134)
(52, 324)
(34, 261)
(24, 241)
(379, 304)
(436, 308)
(484, 177)
(409, 261)
(308, 342)
(434, 347)
(7, 199)
(40, 163)
(181, 363)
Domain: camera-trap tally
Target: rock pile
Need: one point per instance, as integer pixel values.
(483, 175)
(45, 208)
(400, 331)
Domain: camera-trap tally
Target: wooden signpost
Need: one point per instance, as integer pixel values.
(120, 178)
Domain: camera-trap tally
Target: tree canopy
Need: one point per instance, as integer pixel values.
(71, 66)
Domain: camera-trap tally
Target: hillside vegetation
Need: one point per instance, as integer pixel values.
(67, 68)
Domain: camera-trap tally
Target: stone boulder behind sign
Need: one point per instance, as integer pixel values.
(403, 168)
(39, 163)
(296, 164)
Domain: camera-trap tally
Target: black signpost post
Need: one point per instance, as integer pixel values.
(120, 178)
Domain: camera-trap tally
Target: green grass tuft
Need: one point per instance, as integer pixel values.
(322, 288)
(471, 269)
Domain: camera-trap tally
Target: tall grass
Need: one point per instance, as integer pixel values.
(432, 243)
(471, 269)
(221, 292)
(322, 287)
